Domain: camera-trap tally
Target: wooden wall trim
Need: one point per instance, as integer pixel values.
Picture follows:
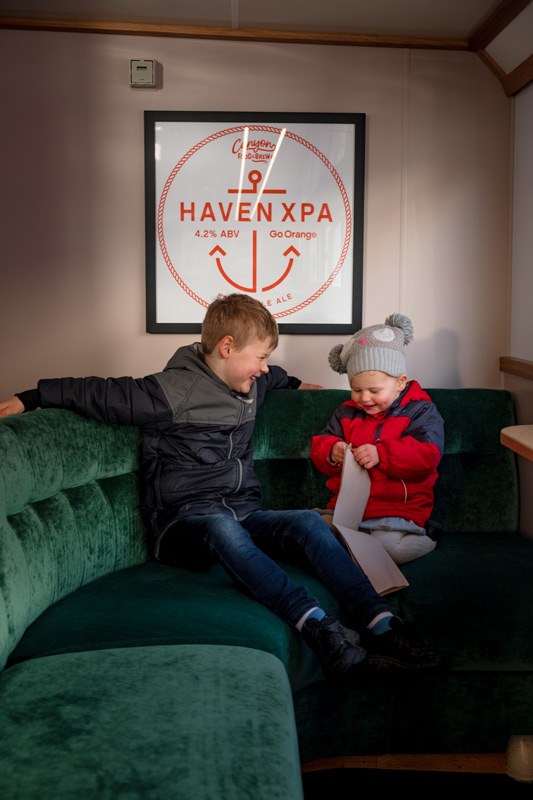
(492, 65)
(508, 9)
(517, 366)
(519, 77)
(249, 35)
(493, 763)
(496, 22)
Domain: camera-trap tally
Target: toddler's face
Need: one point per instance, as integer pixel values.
(375, 391)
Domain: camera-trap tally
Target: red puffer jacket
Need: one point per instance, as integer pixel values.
(409, 437)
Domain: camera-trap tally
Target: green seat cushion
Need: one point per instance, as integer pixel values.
(473, 597)
(462, 712)
(335, 720)
(460, 597)
(457, 712)
(153, 604)
(202, 722)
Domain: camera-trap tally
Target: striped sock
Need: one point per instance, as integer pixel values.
(380, 624)
(315, 612)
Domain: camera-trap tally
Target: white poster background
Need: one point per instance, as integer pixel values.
(295, 255)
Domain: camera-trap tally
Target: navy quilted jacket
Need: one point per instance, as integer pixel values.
(197, 452)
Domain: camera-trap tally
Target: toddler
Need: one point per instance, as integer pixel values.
(396, 433)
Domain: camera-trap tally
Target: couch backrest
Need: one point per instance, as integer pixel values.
(68, 495)
(477, 489)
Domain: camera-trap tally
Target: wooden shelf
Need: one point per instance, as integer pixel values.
(517, 366)
(518, 438)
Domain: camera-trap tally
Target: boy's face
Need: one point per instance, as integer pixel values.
(375, 391)
(241, 366)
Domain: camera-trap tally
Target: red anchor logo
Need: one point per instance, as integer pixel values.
(253, 287)
(255, 178)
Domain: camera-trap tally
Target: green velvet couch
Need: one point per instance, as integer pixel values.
(126, 678)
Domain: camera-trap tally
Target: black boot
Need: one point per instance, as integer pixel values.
(338, 648)
(402, 648)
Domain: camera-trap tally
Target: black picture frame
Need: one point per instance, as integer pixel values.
(180, 126)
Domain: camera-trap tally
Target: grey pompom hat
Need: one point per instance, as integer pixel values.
(378, 347)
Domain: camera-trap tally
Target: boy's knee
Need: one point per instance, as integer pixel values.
(224, 534)
(308, 517)
(310, 520)
(310, 528)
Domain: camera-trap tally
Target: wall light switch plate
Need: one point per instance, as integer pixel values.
(143, 73)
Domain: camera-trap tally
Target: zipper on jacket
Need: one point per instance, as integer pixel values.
(238, 460)
(389, 412)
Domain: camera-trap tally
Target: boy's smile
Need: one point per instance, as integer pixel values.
(241, 367)
(375, 391)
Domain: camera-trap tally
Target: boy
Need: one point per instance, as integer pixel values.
(396, 433)
(202, 497)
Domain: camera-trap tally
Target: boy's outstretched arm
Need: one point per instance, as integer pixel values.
(12, 406)
(124, 401)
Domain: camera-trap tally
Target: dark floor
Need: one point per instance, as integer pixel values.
(320, 785)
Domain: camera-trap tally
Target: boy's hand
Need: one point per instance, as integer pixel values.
(310, 386)
(366, 455)
(10, 407)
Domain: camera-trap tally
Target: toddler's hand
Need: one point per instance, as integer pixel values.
(367, 455)
(337, 452)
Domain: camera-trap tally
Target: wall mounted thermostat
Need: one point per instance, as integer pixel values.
(143, 73)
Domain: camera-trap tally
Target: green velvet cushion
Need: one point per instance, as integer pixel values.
(473, 597)
(287, 420)
(463, 712)
(54, 546)
(154, 604)
(457, 712)
(152, 723)
(46, 451)
(69, 511)
(345, 720)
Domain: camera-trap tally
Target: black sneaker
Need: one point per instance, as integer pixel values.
(338, 648)
(402, 648)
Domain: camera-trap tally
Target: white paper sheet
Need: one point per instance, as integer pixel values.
(365, 550)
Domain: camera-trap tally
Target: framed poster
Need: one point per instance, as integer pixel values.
(269, 205)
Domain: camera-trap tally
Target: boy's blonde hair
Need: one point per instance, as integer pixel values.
(239, 316)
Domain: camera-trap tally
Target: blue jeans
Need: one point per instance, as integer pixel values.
(246, 551)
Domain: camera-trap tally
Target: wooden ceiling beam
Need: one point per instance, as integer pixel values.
(495, 23)
(519, 77)
(492, 65)
(143, 28)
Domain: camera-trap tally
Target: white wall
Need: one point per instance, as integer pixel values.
(522, 288)
(72, 200)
